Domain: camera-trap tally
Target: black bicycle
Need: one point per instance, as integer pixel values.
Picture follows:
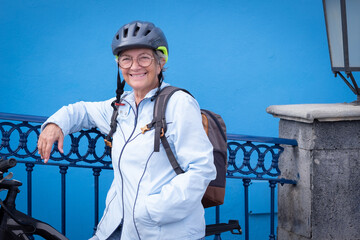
(15, 225)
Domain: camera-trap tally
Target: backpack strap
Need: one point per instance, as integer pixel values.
(159, 123)
(174, 163)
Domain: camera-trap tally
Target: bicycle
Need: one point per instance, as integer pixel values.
(15, 225)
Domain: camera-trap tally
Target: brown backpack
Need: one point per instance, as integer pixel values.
(215, 129)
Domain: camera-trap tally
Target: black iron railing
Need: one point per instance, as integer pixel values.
(250, 158)
(256, 158)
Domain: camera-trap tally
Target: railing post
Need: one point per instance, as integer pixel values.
(246, 196)
(272, 185)
(29, 169)
(96, 173)
(217, 220)
(63, 171)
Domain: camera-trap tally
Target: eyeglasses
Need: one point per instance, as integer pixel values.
(125, 61)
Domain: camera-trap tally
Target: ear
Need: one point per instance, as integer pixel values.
(162, 62)
(161, 65)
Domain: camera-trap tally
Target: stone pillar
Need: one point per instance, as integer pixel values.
(325, 203)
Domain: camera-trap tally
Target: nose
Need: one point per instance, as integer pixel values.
(135, 65)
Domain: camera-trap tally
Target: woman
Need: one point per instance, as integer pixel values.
(146, 200)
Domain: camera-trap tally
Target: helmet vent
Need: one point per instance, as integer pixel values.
(147, 32)
(136, 30)
(117, 36)
(125, 32)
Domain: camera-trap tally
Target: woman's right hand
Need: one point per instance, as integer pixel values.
(48, 136)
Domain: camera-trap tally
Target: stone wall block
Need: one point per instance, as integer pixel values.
(294, 201)
(337, 135)
(302, 132)
(325, 202)
(336, 194)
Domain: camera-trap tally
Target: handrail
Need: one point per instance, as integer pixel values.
(22, 117)
(248, 158)
(240, 137)
(230, 136)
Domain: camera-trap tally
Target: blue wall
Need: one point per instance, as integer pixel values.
(237, 57)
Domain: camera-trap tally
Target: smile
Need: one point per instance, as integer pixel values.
(138, 75)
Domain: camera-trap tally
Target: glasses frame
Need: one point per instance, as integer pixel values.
(117, 59)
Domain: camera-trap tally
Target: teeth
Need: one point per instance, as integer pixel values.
(138, 75)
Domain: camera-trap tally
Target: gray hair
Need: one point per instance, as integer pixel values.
(159, 55)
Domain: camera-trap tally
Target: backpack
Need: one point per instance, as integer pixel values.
(215, 129)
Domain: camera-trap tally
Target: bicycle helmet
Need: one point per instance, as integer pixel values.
(139, 34)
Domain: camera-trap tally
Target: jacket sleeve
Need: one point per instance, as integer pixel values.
(182, 195)
(74, 117)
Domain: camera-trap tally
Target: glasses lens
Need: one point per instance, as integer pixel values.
(144, 60)
(125, 61)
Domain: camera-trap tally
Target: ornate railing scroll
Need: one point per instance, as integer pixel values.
(23, 132)
(19, 134)
(260, 157)
(249, 158)
(256, 158)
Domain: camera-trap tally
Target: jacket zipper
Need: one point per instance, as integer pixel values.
(138, 187)
(137, 194)
(122, 150)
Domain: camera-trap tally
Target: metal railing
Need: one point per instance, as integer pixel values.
(249, 158)
(259, 161)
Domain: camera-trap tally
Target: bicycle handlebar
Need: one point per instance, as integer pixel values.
(5, 165)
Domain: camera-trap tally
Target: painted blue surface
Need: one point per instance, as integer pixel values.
(236, 57)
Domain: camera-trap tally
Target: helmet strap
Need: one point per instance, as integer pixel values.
(161, 78)
(120, 86)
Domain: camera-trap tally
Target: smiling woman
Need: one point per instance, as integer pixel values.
(147, 199)
(132, 41)
(236, 56)
(142, 74)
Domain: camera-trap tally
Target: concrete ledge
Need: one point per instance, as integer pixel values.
(324, 204)
(322, 112)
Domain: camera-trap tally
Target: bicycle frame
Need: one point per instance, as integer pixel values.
(15, 225)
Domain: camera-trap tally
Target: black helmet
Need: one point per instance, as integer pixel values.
(139, 34)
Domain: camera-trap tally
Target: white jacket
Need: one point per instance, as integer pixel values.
(146, 196)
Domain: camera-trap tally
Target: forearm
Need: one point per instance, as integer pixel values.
(74, 117)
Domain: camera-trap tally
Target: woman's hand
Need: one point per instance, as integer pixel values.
(48, 136)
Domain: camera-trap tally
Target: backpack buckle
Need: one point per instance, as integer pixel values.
(144, 129)
(162, 132)
(107, 143)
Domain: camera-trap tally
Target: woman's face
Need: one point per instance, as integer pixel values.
(141, 79)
